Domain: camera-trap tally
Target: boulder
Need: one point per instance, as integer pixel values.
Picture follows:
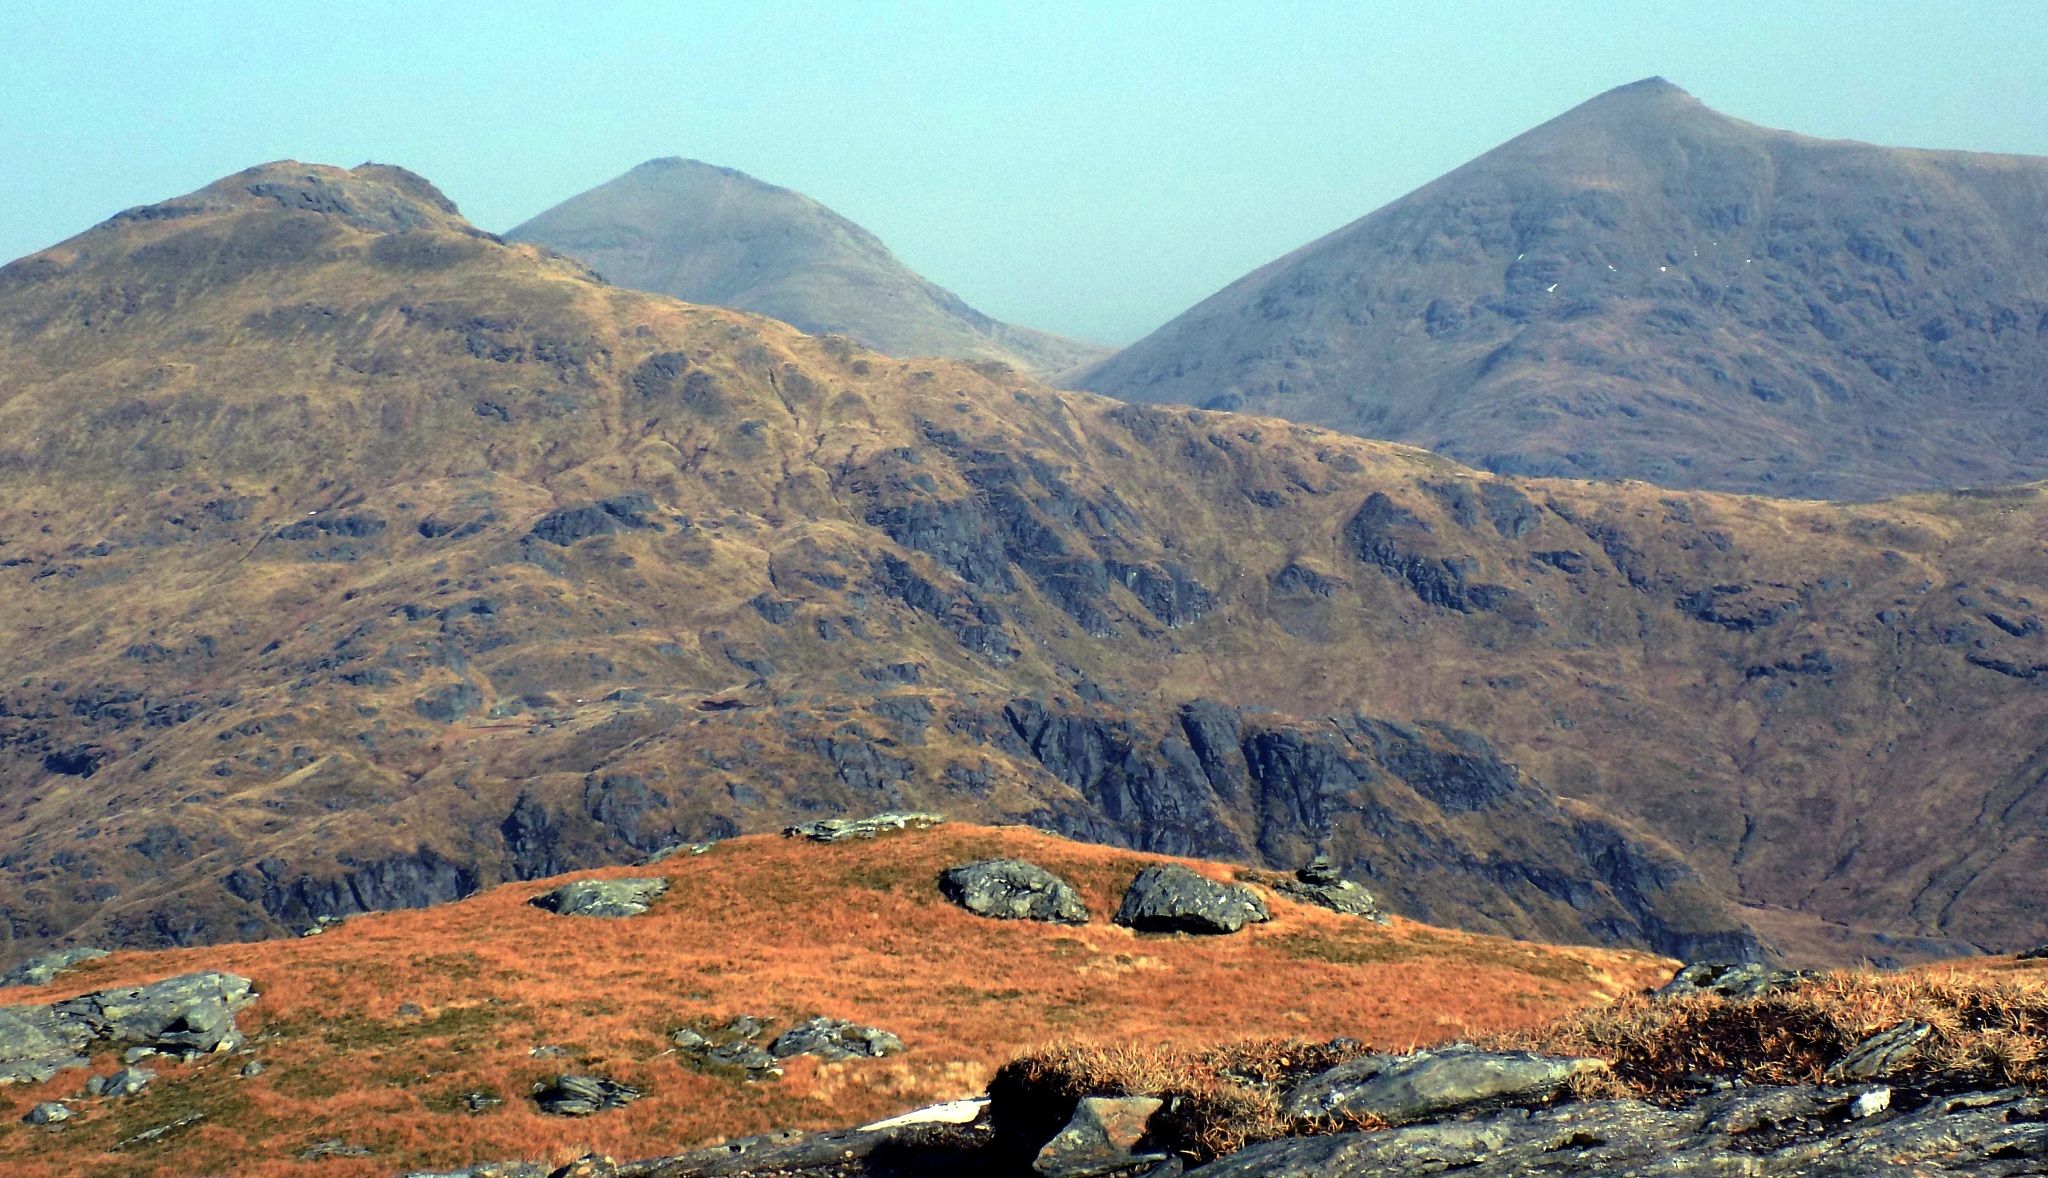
(187, 1016)
(1422, 1084)
(1732, 979)
(37, 1043)
(1169, 898)
(41, 971)
(602, 897)
(1011, 889)
(749, 1057)
(580, 1096)
(129, 1081)
(832, 1039)
(48, 1112)
(1881, 1054)
(1101, 1138)
(834, 830)
(1320, 883)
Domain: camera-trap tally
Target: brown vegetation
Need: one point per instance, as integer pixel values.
(761, 926)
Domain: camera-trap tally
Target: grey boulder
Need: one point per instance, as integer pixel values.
(49, 1112)
(1169, 898)
(37, 1043)
(580, 1096)
(1403, 1088)
(1320, 883)
(835, 830)
(189, 1015)
(1731, 979)
(41, 971)
(1881, 1054)
(1011, 889)
(834, 1039)
(602, 897)
(1101, 1138)
(129, 1081)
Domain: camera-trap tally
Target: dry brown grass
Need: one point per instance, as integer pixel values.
(770, 927)
(1988, 1027)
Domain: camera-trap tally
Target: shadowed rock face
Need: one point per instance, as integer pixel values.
(780, 579)
(707, 234)
(1645, 288)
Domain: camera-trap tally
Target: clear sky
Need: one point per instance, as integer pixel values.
(1088, 168)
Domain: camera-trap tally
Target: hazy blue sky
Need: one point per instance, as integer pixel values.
(1087, 168)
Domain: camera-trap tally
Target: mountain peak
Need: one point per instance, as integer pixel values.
(381, 198)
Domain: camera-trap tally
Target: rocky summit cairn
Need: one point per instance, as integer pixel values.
(1012, 889)
(580, 1096)
(1738, 979)
(836, 830)
(1320, 882)
(1402, 1088)
(1169, 898)
(601, 897)
(186, 1016)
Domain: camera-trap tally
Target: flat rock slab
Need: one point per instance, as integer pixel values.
(1012, 889)
(1757, 1132)
(602, 897)
(1169, 898)
(1101, 1138)
(1882, 1053)
(836, 830)
(1403, 1088)
(41, 971)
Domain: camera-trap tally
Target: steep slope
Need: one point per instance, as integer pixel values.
(349, 562)
(713, 235)
(762, 927)
(1645, 288)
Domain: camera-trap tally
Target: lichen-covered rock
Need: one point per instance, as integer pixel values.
(580, 1096)
(1012, 889)
(832, 1039)
(189, 1015)
(1169, 898)
(37, 1043)
(1322, 884)
(1403, 1088)
(1732, 979)
(48, 1112)
(602, 897)
(41, 971)
(1881, 1054)
(834, 830)
(129, 1081)
(1101, 1138)
(1759, 1132)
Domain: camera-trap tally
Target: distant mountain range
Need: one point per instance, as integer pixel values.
(1645, 288)
(713, 235)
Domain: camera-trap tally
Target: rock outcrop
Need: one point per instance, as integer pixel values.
(41, 971)
(1741, 979)
(185, 1016)
(581, 1096)
(1011, 889)
(1401, 1088)
(602, 897)
(1169, 898)
(835, 830)
(1320, 882)
(834, 1039)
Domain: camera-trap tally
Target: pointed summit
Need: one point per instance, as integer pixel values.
(709, 234)
(1645, 287)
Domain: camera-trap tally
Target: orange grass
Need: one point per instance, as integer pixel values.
(762, 926)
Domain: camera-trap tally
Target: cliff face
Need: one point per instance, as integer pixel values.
(351, 559)
(1645, 288)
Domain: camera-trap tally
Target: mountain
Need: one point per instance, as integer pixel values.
(713, 235)
(352, 559)
(433, 1065)
(1645, 288)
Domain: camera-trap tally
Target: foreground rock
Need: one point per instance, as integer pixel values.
(602, 897)
(1101, 1138)
(1169, 898)
(185, 1016)
(1012, 889)
(41, 971)
(1758, 1132)
(581, 1096)
(1320, 883)
(1738, 979)
(835, 830)
(129, 1081)
(1882, 1053)
(1402, 1088)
